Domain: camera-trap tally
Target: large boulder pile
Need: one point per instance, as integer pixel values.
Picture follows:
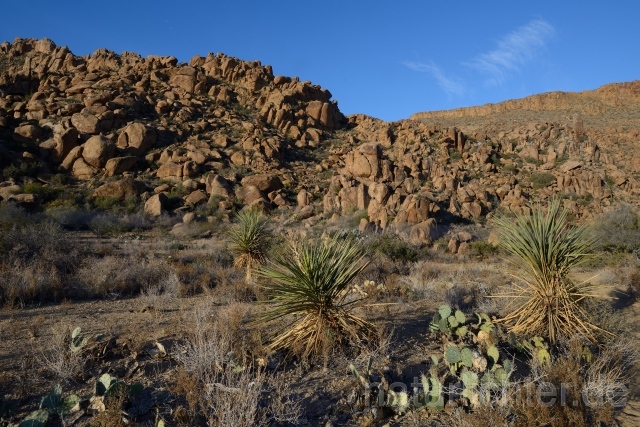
(224, 131)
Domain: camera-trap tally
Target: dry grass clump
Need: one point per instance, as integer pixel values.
(37, 257)
(633, 285)
(120, 275)
(219, 380)
(308, 283)
(460, 285)
(545, 301)
(160, 294)
(24, 281)
(58, 359)
(201, 272)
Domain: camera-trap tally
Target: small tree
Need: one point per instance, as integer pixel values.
(249, 240)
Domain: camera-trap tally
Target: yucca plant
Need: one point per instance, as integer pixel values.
(309, 281)
(545, 301)
(249, 240)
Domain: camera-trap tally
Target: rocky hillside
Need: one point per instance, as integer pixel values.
(609, 115)
(225, 133)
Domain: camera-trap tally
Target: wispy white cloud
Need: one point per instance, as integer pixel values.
(448, 84)
(513, 51)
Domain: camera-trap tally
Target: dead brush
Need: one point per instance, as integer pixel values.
(544, 300)
(231, 398)
(250, 397)
(116, 275)
(158, 295)
(197, 274)
(459, 285)
(606, 377)
(58, 359)
(231, 286)
(214, 338)
(25, 281)
(219, 380)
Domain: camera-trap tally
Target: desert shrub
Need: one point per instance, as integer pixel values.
(70, 217)
(106, 203)
(546, 301)
(533, 160)
(510, 167)
(58, 359)
(355, 216)
(31, 237)
(634, 285)
(44, 193)
(198, 274)
(542, 179)
(249, 239)
(108, 223)
(70, 198)
(27, 281)
(462, 286)
(223, 386)
(11, 216)
(20, 168)
(117, 275)
(618, 230)
(129, 205)
(230, 287)
(309, 280)
(392, 246)
(483, 249)
(37, 257)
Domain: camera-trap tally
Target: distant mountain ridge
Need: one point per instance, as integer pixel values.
(598, 101)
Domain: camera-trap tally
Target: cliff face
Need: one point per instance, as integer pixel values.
(220, 133)
(599, 101)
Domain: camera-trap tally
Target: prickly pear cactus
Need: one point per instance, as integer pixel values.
(466, 357)
(493, 355)
(77, 341)
(452, 355)
(106, 385)
(444, 311)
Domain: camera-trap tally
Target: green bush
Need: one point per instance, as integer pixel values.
(129, 205)
(19, 169)
(542, 179)
(392, 246)
(44, 193)
(483, 249)
(533, 161)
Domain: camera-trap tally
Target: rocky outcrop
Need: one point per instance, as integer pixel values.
(229, 132)
(121, 189)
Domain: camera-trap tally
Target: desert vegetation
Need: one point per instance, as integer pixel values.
(209, 244)
(331, 320)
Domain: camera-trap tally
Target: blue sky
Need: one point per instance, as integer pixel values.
(384, 59)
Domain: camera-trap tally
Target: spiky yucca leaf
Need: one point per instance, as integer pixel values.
(546, 248)
(249, 239)
(309, 281)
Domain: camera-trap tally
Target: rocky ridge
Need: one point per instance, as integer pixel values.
(229, 133)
